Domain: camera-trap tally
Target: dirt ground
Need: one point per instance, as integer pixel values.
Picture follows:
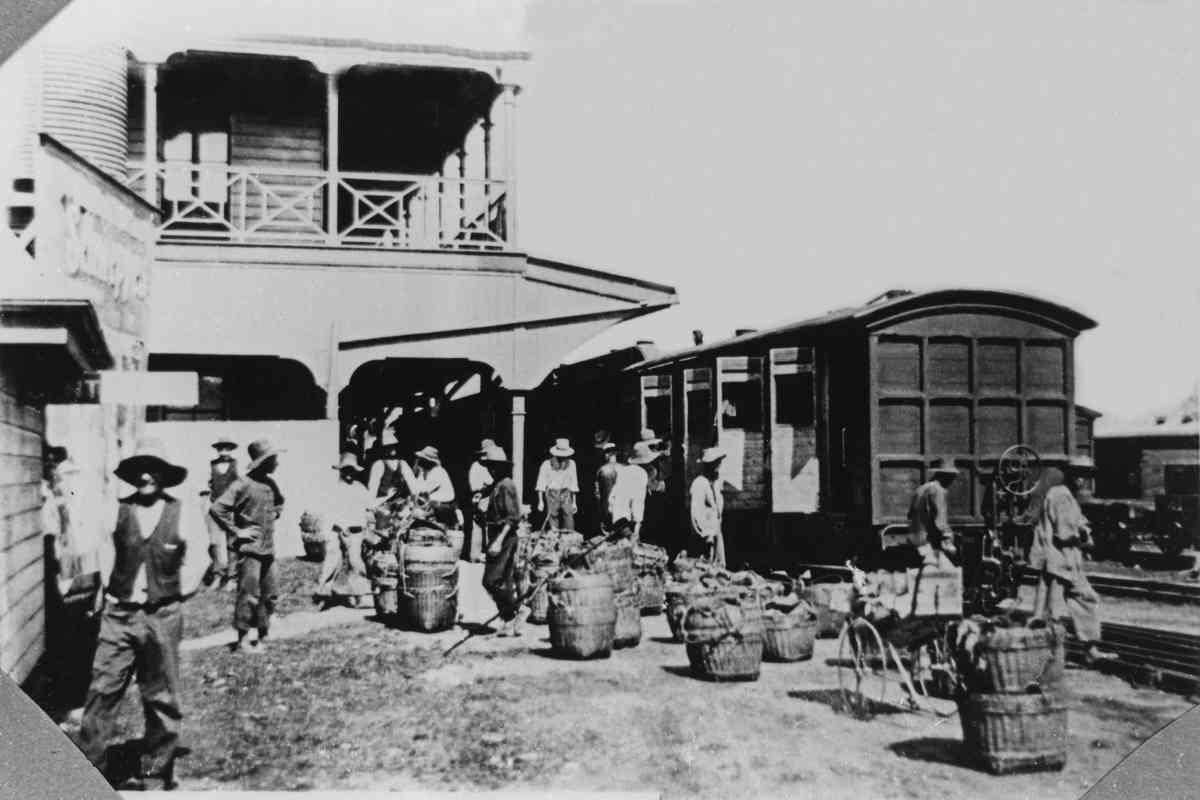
(359, 706)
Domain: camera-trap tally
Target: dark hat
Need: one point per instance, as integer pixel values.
(148, 457)
(944, 466)
(225, 441)
(602, 439)
(260, 450)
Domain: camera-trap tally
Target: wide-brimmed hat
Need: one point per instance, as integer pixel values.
(149, 457)
(259, 451)
(349, 461)
(648, 436)
(429, 453)
(1081, 464)
(643, 453)
(494, 455)
(605, 447)
(944, 466)
(485, 446)
(562, 448)
(225, 441)
(712, 455)
(602, 439)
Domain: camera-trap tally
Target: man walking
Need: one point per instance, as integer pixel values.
(155, 562)
(707, 507)
(501, 577)
(929, 515)
(223, 473)
(247, 512)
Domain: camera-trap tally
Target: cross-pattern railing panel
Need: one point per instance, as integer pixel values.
(247, 205)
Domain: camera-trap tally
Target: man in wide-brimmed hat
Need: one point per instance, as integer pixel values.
(247, 512)
(557, 487)
(386, 481)
(156, 560)
(479, 481)
(430, 483)
(707, 508)
(501, 577)
(1060, 533)
(627, 503)
(223, 471)
(929, 513)
(606, 479)
(343, 571)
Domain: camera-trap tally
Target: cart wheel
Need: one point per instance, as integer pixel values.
(862, 666)
(931, 665)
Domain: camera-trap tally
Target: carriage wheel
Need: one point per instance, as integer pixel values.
(862, 666)
(1019, 470)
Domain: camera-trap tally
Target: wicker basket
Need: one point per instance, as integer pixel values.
(539, 601)
(724, 641)
(1015, 732)
(651, 593)
(615, 559)
(456, 539)
(387, 597)
(832, 604)
(314, 545)
(583, 615)
(628, 630)
(569, 540)
(1018, 659)
(788, 637)
(678, 597)
(429, 586)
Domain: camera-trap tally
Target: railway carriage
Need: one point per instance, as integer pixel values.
(830, 423)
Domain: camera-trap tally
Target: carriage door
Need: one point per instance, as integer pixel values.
(656, 404)
(795, 469)
(740, 429)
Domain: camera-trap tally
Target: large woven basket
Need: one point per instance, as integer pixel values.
(628, 630)
(788, 637)
(724, 641)
(1015, 732)
(583, 615)
(678, 596)
(651, 593)
(615, 559)
(832, 603)
(429, 586)
(1018, 659)
(314, 545)
(539, 602)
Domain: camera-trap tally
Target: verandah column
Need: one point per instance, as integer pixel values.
(332, 147)
(509, 98)
(150, 131)
(518, 442)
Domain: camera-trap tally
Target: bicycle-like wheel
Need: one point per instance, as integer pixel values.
(1019, 469)
(862, 666)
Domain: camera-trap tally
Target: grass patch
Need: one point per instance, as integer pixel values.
(212, 610)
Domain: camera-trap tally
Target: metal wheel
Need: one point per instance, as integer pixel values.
(1019, 470)
(862, 666)
(931, 665)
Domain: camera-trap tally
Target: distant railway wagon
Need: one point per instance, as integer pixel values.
(830, 423)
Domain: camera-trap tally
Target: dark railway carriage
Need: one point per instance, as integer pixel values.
(830, 423)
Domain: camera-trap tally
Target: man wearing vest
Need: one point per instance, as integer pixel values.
(223, 473)
(157, 560)
(247, 511)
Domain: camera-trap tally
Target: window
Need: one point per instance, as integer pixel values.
(658, 415)
(196, 166)
(211, 404)
(795, 401)
(741, 405)
(1181, 478)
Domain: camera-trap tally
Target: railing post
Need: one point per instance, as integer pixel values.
(150, 131)
(462, 191)
(332, 117)
(510, 141)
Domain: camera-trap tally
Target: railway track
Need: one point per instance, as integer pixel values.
(1139, 588)
(1167, 660)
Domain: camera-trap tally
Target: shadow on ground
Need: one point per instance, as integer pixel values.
(836, 701)
(934, 750)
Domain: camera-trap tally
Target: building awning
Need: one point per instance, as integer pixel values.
(57, 334)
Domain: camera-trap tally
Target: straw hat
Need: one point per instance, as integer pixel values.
(643, 453)
(649, 437)
(606, 447)
(349, 461)
(225, 441)
(149, 457)
(944, 466)
(562, 448)
(495, 455)
(712, 455)
(485, 446)
(1082, 464)
(259, 451)
(429, 453)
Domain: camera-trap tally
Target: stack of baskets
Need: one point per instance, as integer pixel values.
(544, 561)
(615, 559)
(428, 590)
(724, 639)
(650, 563)
(583, 615)
(1013, 714)
(383, 568)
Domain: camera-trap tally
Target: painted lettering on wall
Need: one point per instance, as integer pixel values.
(95, 249)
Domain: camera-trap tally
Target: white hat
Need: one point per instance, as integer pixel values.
(562, 448)
(712, 455)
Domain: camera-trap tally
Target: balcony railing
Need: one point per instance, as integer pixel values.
(250, 205)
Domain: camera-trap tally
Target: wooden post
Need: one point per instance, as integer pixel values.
(486, 124)
(462, 189)
(518, 443)
(510, 144)
(331, 392)
(150, 132)
(332, 117)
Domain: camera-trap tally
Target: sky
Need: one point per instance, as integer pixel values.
(774, 159)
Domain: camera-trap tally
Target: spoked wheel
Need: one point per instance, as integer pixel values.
(862, 666)
(931, 666)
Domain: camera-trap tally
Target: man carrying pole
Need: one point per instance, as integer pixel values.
(501, 577)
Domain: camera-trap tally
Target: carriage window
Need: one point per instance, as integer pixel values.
(741, 405)
(658, 415)
(699, 417)
(795, 403)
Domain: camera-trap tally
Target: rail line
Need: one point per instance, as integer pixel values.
(1167, 660)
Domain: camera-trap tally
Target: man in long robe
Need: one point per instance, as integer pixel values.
(501, 577)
